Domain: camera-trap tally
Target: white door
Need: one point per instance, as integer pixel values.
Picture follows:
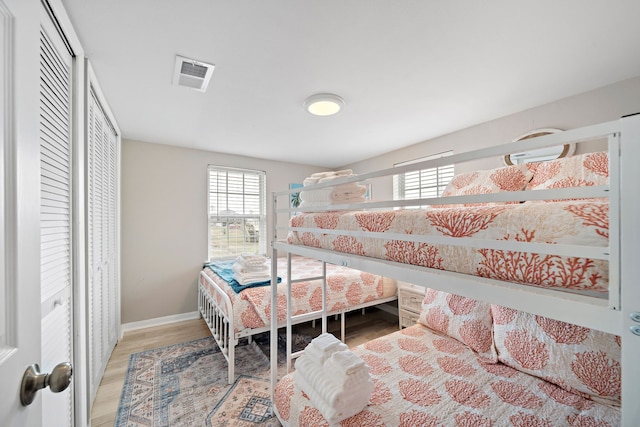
(19, 217)
(22, 301)
(56, 311)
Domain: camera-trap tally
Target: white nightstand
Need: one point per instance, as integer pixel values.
(410, 298)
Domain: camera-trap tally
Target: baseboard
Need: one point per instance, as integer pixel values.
(158, 321)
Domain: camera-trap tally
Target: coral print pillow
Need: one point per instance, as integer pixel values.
(465, 319)
(575, 171)
(580, 360)
(509, 178)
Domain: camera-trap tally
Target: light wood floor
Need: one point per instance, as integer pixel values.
(359, 329)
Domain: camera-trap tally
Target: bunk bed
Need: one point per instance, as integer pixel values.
(231, 316)
(586, 269)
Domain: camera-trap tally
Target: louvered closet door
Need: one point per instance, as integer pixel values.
(102, 184)
(55, 219)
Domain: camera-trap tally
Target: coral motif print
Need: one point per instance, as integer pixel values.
(416, 418)
(598, 163)
(467, 394)
(363, 418)
(418, 392)
(312, 417)
(499, 369)
(565, 397)
(577, 420)
(593, 215)
(476, 335)
(437, 320)
(509, 179)
(327, 220)
(545, 171)
(529, 420)
(464, 180)
(413, 345)
(463, 222)
(415, 365)
(309, 239)
(516, 394)
(348, 244)
(298, 220)
(502, 315)
(536, 269)
(413, 253)
(455, 366)
(375, 222)
(378, 346)
(598, 372)
(561, 332)
(377, 365)
(336, 283)
(282, 396)
(527, 350)
(381, 393)
(449, 346)
(460, 305)
(469, 419)
(354, 293)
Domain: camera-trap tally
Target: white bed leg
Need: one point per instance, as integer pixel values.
(313, 323)
(342, 325)
(250, 339)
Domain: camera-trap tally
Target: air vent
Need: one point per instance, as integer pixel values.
(191, 73)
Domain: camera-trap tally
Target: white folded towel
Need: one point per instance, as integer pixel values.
(252, 260)
(320, 357)
(240, 268)
(334, 402)
(345, 362)
(247, 278)
(326, 342)
(319, 195)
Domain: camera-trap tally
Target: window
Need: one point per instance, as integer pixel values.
(237, 213)
(424, 183)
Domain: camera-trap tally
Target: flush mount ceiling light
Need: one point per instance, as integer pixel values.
(323, 104)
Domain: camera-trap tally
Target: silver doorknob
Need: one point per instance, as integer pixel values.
(32, 381)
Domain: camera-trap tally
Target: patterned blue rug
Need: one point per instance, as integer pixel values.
(186, 385)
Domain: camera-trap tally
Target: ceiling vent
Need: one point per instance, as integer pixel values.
(191, 73)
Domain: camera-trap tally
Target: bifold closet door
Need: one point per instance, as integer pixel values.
(55, 218)
(102, 238)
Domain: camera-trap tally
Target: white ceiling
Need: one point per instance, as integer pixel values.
(408, 70)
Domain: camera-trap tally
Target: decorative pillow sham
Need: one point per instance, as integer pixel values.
(465, 319)
(575, 171)
(508, 178)
(580, 360)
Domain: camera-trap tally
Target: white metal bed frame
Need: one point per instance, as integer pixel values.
(618, 314)
(222, 325)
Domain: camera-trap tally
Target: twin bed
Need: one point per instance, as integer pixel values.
(507, 255)
(231, 316)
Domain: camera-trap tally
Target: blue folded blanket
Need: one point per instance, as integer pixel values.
(223, 269)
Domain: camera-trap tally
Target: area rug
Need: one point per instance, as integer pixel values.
(186, 385)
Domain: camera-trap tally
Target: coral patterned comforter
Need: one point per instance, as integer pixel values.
(423, 378)
(346, 287)
(576, 222)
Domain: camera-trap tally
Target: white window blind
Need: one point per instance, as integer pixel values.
(237, 212)
(422, 184)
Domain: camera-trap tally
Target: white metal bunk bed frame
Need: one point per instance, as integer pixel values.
(618, 314)
(221, 325)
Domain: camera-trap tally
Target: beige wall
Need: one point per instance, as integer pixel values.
(164, 222)
(597, 106)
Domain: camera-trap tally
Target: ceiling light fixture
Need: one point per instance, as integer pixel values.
(323, 104)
